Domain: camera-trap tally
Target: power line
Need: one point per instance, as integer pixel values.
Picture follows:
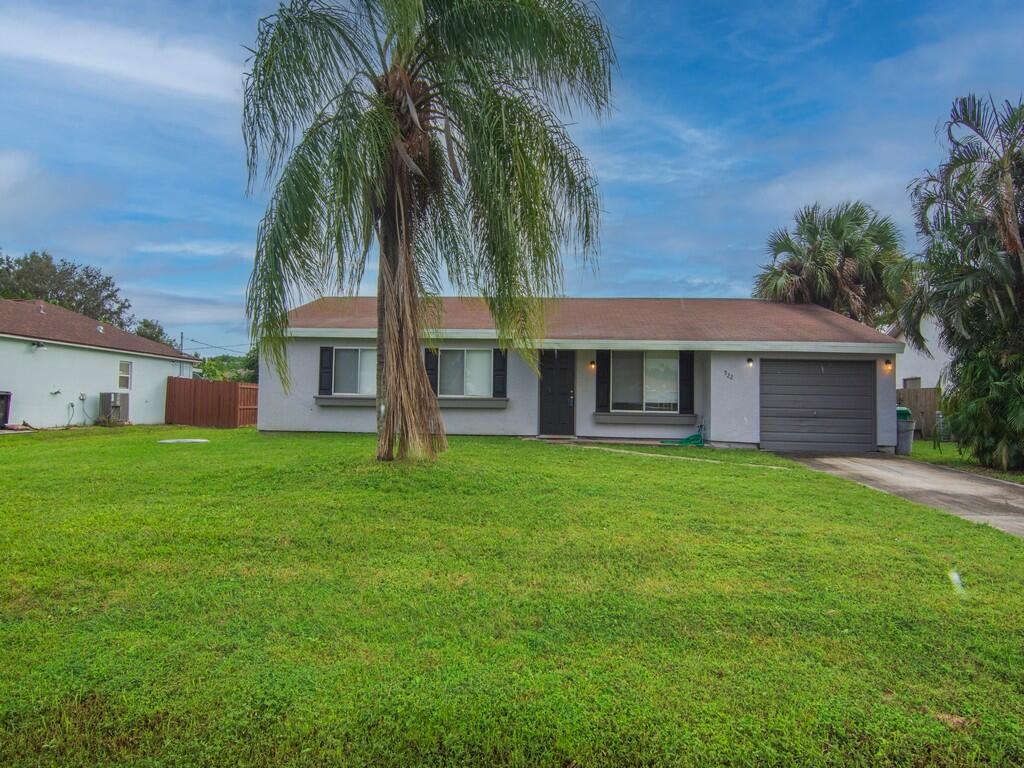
(204, 345)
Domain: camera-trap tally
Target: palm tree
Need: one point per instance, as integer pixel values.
(986, 144)
(847, 258)
(432, 128)
(970, 213)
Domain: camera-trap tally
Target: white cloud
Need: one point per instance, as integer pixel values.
(199, 249)
(641, 143)
(30, 195)
(986, 59)
(127, 54)
(830, 183)
(766, 32)
(173, 309)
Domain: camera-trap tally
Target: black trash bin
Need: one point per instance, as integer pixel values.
(5, 408)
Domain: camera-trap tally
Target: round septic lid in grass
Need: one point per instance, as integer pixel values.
(184, 440)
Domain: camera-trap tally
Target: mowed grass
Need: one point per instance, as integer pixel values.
(284, 600)
(948, 455)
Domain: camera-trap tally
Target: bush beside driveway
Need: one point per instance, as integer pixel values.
(948, 455)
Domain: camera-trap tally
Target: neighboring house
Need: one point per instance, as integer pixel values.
(55, 363)
(915, 369)
(752, 372)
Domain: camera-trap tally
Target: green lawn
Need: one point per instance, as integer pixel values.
(949, 456)
(284, 600)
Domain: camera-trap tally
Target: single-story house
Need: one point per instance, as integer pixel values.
(753, 373)
(55, 364)
(916, 369)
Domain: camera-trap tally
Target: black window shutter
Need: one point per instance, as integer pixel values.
(326, 370)
(604, 381)
(499, 373)
(686, 381)
(430, 361)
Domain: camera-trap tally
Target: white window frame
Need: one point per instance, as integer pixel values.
(129, 374)
(643, 382)
(464, 350)
(334, 364)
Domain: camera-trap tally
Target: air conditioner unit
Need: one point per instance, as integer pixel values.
(114, 407)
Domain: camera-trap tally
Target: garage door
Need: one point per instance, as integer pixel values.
(818, 405)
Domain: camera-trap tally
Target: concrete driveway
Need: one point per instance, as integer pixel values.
(981, 499)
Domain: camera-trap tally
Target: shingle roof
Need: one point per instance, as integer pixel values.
(48, 322)
(698, 320)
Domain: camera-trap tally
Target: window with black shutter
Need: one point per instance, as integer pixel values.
(499, 374)
(604, 381)
(326, 370)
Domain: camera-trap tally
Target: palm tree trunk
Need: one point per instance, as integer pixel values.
(407, 410)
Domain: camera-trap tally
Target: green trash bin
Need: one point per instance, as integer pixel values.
(905, 426)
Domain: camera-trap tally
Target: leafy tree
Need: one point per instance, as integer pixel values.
(847, 258)
(970, 213)
(250, 367)
(151, 329)
(433, 128)
(243, 368)
(212, 369)
(77, 287)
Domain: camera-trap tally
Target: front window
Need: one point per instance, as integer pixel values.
(464, 373)
(645, 381)
(124, 375)
(355, 371)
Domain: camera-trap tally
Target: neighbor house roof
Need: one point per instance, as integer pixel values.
(699, 323)
(41, 321)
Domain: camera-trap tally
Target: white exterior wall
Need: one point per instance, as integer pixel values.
(45, 383)
(735, 394)
(911, 363)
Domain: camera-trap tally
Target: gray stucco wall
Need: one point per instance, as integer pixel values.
(726, 399)
(587, 424)
(298, 411)
(734, 404)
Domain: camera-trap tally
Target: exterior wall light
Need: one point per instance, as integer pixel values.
(38, 345)
(750, 362)
(592, 365)
(888, 366)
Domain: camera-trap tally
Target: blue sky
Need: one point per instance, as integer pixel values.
(120, 143)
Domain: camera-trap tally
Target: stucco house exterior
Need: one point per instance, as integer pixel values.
(917, 370)
(752, 373)
(55, 364)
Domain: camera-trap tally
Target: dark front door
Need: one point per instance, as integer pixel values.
(558, 392)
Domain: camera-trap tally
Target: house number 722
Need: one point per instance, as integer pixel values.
(728, 375)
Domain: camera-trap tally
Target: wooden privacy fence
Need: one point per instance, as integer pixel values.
(203, 403)
(923, 403)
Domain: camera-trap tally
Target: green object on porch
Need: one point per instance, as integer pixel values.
(696, 440)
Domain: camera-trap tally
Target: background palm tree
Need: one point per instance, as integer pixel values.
(847, 258)
(970, 213)
(433, 128)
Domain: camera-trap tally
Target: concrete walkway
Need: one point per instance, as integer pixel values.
(974, 497)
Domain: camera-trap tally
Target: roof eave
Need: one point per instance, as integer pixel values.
(118, 350)
(486, 334)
